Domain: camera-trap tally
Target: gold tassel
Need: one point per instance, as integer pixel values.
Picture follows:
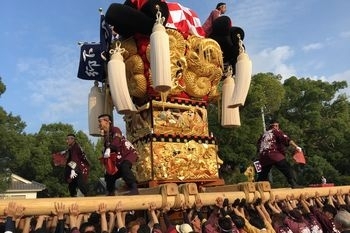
(242, 79)
(230, 116)
(160, 56)
(117, 82)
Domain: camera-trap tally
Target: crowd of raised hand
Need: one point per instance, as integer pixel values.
(292, 214)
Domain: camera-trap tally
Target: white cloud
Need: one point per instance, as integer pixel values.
(274, 60)
(341, 76)
(313, 46)
(345, 34)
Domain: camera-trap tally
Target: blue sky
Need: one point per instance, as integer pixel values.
(40, 52)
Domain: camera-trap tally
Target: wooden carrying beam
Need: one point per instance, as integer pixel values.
(167, 194)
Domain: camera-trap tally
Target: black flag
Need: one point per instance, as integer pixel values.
(91, 65)
(105, 37)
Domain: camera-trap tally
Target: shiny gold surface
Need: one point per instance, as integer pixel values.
(196, 67)
(177, 160)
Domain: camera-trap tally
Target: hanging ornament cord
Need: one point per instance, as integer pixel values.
(159, 18)
(240, 44)
(117, 49)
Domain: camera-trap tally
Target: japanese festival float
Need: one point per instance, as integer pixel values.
(161, 76)
(160, 73)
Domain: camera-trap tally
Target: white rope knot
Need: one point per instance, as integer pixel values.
(118, 48)
(240, 44)
(159, 18)
(229, 71)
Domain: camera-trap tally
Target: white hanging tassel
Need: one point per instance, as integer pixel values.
(229, 116)
(95, 108)
(160, 56)
(117, 82)
(243, 77)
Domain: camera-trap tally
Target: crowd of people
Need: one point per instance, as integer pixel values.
(292, 214)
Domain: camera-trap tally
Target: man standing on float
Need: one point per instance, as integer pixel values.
(271, 149)
(77, 167)
(118, 156)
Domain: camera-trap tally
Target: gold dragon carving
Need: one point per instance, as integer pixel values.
(196, 66)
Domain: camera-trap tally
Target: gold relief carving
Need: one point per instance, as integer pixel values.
(204, 67)
(144, 163)
(138, 124)
(179, 161)
(177, 42)
(177, 119)
(178, 62)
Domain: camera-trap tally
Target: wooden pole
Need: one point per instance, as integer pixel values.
(46, 206)
(310, 191)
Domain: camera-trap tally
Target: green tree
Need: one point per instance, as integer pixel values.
(317, 116)
(2, 87)
(13, 142)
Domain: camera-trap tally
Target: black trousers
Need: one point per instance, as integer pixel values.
(77, 183)
(283, 166)
(124, 172)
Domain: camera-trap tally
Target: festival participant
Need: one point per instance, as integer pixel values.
(324, 211)
(342, 221)
(195, 216)
(13, 213)
(271, 149)
(314, 224)
(228, 37)
(214, 14)
(77, 167)
(120, 154)
(295, 219)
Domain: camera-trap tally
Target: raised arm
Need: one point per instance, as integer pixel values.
(318, 200)
(59, 211)
(73, 217)
(13, 213)
(304, 203)
(102, 209)
(26, 226)
(153, 216)
(111, 221)
(120, 216)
